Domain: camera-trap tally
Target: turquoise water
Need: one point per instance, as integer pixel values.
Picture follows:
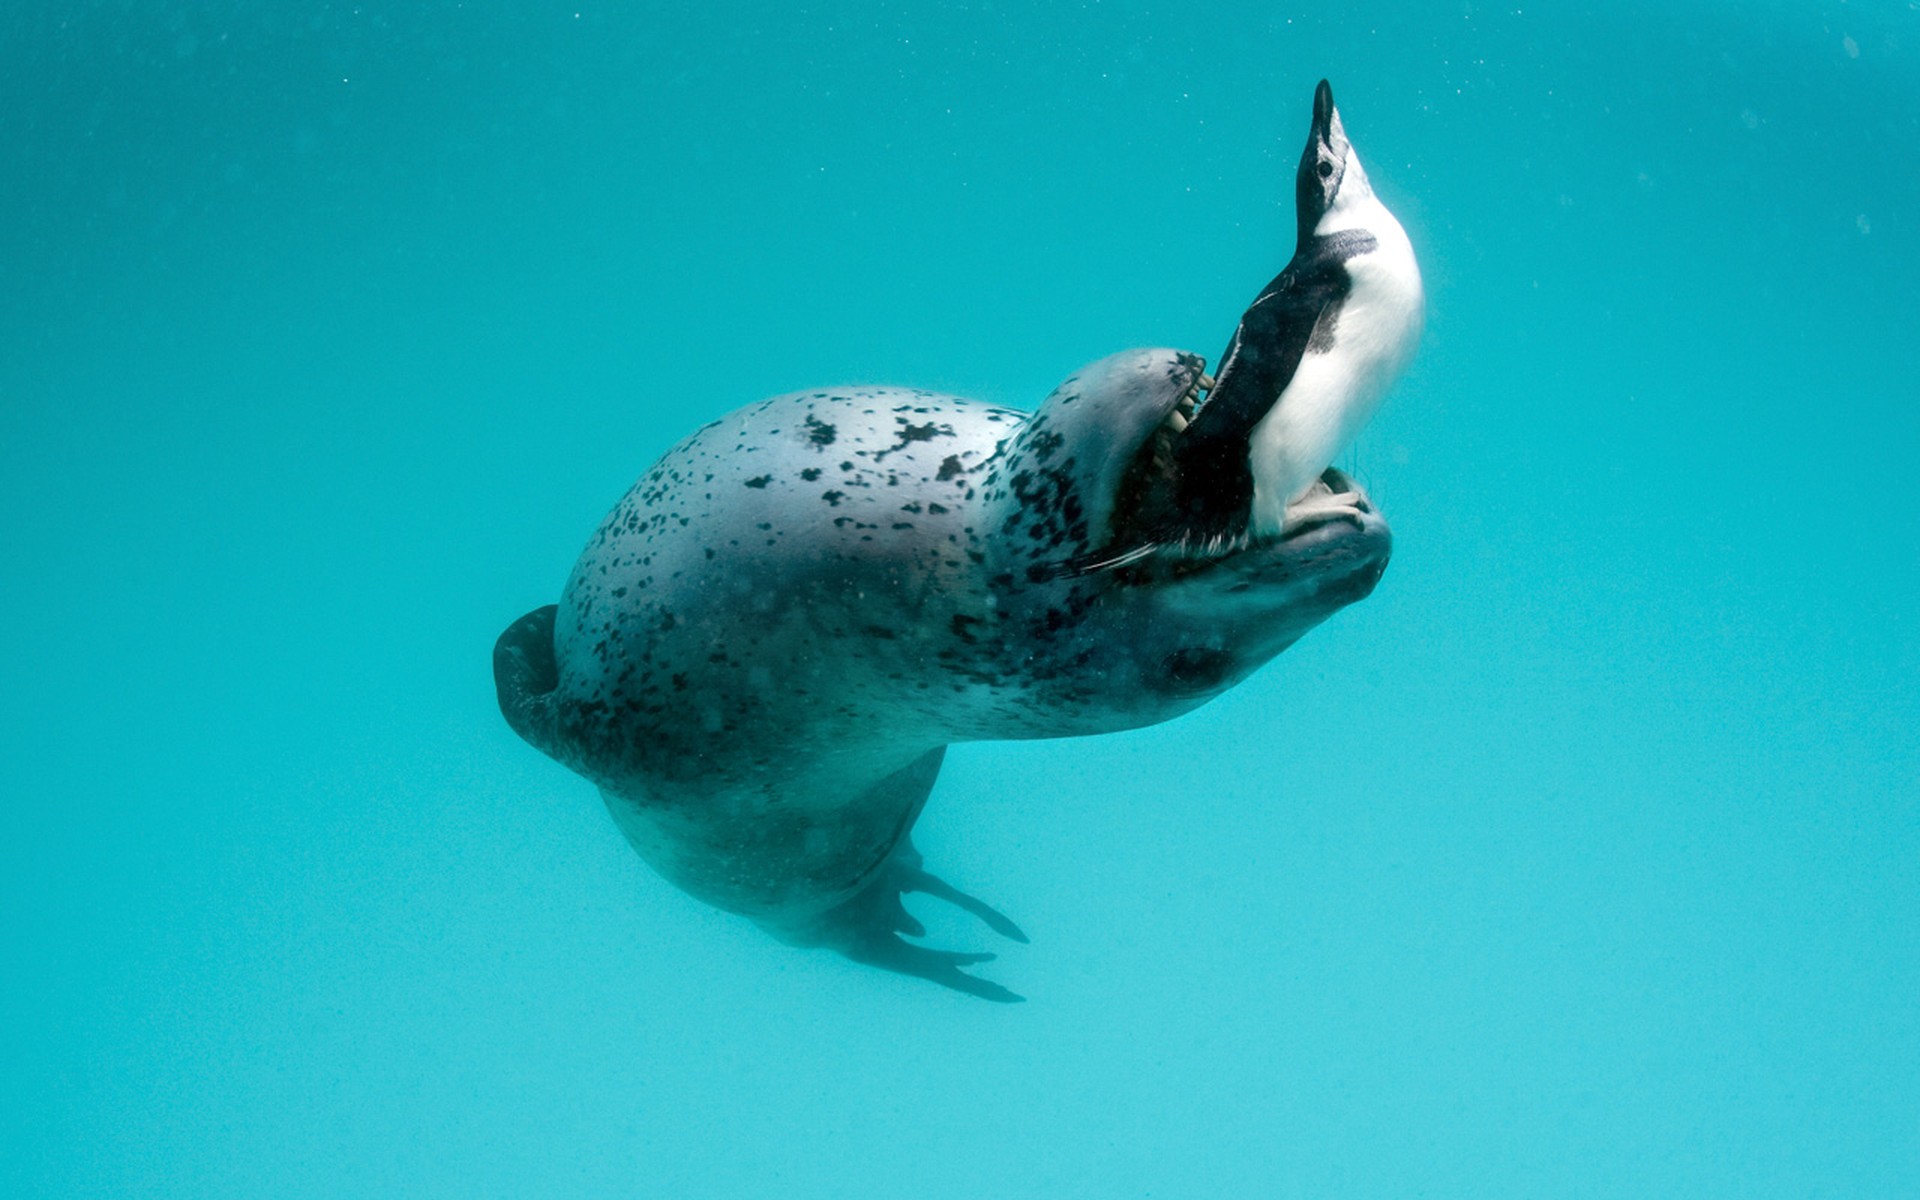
(1583, 859)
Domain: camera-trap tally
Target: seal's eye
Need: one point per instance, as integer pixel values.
(1326, 170)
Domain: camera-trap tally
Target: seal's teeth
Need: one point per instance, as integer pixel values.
(1177, 421)
(1190, 396)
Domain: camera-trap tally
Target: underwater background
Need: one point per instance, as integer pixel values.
(1583, 859)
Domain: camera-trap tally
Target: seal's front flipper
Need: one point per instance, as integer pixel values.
(867, 927)
(918, 880)
(935, 966)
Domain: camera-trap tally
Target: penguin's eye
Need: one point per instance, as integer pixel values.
(1326, 170)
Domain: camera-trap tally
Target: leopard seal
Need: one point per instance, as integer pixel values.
(766, 647)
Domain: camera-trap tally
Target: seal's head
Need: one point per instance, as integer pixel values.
(1077, 494)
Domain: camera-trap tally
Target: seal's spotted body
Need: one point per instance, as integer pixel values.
(769, 642)
(764, 652)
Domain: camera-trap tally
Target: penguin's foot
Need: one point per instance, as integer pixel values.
(867, 928)
(1333, 497)
(1319, 511)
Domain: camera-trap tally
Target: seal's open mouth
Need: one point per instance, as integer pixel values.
(1147, 515)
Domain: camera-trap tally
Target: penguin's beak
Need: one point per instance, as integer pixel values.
(1327, 130)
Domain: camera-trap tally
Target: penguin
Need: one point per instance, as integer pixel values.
(1307, 366)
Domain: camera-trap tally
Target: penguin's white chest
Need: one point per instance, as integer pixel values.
(1356, 352)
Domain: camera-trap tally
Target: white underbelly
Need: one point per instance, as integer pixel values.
(1335, 392)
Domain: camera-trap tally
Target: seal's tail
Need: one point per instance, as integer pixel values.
(526, 674)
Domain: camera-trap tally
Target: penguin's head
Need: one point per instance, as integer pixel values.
(1331, 182)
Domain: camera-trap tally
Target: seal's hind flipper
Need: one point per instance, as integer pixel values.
(525, 673)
